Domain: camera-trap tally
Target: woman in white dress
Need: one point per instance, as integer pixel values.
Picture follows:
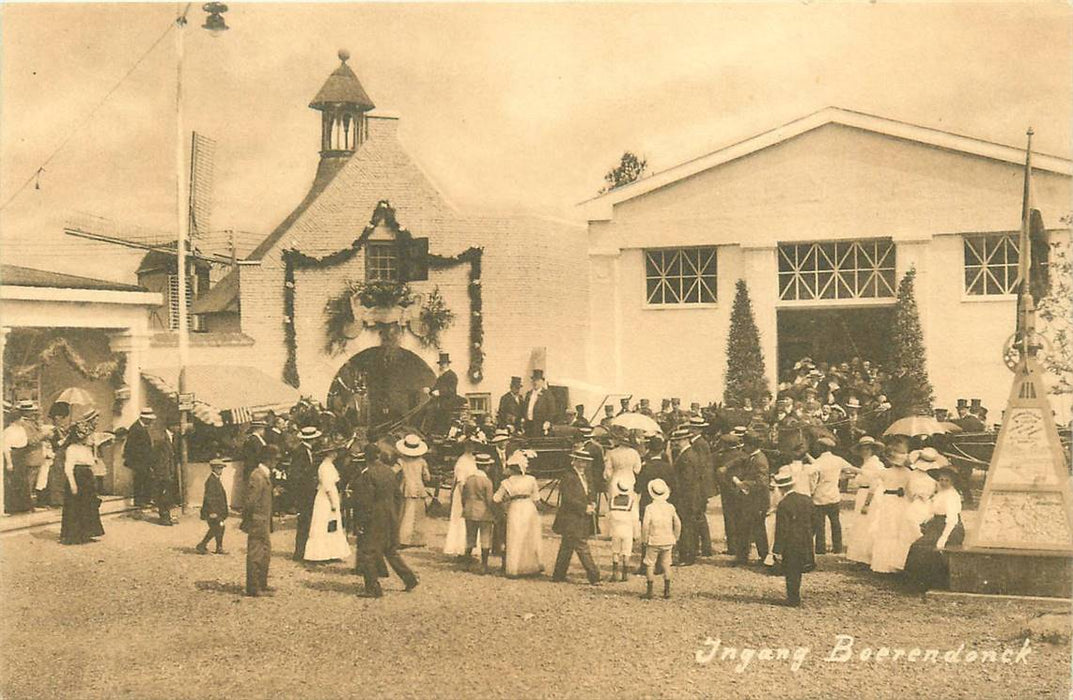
(455, 542)
(414, 469)
(327, 538)
(889, 547)
(919, 491)
(859, 545)
(520, 492)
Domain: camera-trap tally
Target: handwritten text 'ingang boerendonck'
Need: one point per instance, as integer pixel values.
(845, 651)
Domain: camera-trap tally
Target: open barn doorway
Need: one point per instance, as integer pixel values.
(833, 335)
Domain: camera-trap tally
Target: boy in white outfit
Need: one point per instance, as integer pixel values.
(660, 531)
(622, 517)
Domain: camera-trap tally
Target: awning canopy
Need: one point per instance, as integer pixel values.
(234, 393)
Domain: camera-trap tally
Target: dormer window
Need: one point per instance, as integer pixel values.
(382, 262)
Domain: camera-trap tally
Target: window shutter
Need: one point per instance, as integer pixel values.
(413, 260)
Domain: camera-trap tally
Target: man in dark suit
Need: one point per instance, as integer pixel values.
(501, 450)
(511, 406)
(687, 498)
(793, 536)
(752, 482)
(706, 477)
(540, 406)
(254, 445)
(257, 524)
(302, 484)
(138, 456)
(729, 496)
(596, 467)
(165, 460)
(443, 397)
(574, 521)
(376, 498)
(214, 508)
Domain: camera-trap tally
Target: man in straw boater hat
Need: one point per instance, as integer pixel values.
(254, 444)
(376, 495)
(214, 508)
(138, 456)
(697, 426)
(574, 521)
(687, 496)
(23, 456)
(793, 535)
(512, 406)
(478, 509)
(302, 484)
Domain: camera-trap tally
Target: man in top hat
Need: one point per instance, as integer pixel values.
(540, 408)
(254, 445)
(752, 483)
(967, 419)
(609, 415)
(377, 497)
(697, 426)
(444, 396)
(688, 496)
(24, 454)
(302, 485)
(138, 456)
(574, 520)
(512, 406)
(793, 535)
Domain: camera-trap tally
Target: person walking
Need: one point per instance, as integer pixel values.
(574, 521)
(377, 496)
(81, 518)
(793, 535)
(214, 508)
(138, 456)
(257, 523)
(165, 463)
(660, 531)
(414, 470)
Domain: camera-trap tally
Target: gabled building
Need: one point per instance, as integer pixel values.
(821, 217)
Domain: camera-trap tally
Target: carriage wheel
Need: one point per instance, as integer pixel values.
(548, 491)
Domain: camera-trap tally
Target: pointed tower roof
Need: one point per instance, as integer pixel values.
(342, 87)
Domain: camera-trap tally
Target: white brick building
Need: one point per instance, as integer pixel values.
(772, 210)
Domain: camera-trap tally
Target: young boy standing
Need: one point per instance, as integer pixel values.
(659, 532)
(479, 510)
(214, 508)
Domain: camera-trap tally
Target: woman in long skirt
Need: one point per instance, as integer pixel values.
(520, 492)
(455, 543)
(81, 518)
(859, 545)
(889, 547)
(414, 470)
(926, 566)
(327, 537)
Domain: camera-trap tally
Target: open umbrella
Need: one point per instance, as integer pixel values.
(915, 425)
(74, 396)
(951, 427)
(637, 421)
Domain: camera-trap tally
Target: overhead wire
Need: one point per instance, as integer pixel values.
(71, 133)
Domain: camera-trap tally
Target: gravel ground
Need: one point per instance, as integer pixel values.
(139, 615)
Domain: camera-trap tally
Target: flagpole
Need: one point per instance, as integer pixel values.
(1025, 303)
(182, 214)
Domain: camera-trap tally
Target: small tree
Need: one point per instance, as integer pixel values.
(629, 169)
(911, 391)
(745, 376)
(1055, 317)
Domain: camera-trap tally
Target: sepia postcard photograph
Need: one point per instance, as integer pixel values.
(536, 350)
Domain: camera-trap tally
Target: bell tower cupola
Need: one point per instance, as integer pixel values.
(343, 103)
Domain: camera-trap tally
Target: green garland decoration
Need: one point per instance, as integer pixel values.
(112, 369)
(294, 260)
(435, 317)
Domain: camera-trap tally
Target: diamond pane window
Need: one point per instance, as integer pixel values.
(862, 269)
(381, 263)
(991, 262)
(680, 275)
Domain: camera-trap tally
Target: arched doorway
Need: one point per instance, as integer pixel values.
(379, 385)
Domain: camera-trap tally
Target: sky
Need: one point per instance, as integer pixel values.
(506, 107)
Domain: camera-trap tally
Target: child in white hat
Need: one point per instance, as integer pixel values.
(622, 517)
(659, 532)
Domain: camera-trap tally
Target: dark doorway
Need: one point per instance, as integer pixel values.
(379, 385)
(833, 335)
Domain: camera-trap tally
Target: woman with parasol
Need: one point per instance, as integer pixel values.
(81, 520)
